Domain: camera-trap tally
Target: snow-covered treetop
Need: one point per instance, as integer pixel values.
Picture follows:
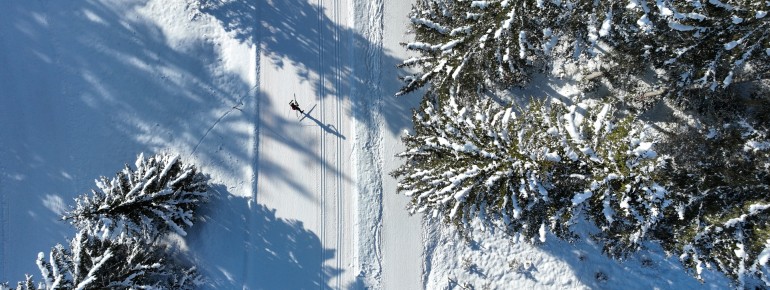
(465, 45)
(120, 263)
(468, 45)
(160, 194)
(533, 166)
(708, 44)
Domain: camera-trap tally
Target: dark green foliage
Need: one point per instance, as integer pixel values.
(706, 199)
(673, 46)
(710, 45)
(465, 47)
(689, 50)
(534, 168)
(721, 197)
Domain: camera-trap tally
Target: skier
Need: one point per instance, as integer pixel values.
(294, 106)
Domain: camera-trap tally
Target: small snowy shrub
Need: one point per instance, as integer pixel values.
(533, 168)
(120, 263)
(601, 277)
(27, 284)
(161, 194)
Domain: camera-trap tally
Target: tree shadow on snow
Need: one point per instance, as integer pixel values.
(648, 268)
(239, 244)
(304, 35)
(87, 85)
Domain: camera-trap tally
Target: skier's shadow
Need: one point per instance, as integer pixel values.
(329, 128)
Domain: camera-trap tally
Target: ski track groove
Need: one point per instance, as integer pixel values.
(336, 106)
(322, 181)
(338, 90)
(251, 218)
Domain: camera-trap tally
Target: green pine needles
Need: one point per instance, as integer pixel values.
(538, 168)
(534, 168)
(720, 214)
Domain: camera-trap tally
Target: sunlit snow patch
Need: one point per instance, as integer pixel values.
(644, 150)
(581, 197)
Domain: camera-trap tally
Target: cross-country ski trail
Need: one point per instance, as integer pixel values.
(304, 169)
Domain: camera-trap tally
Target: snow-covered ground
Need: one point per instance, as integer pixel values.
(492, 260)
(87, 85)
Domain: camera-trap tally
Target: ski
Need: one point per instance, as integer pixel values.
(304, 115)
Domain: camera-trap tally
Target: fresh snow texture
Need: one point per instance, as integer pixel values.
(487, 258)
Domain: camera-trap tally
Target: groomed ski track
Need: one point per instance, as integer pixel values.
(313, 155)
(332, 163)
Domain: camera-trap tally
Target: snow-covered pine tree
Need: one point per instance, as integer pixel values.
(705, 44)
(465, 45)
(119, 263)
(720, 213)
(533, 168)
(161, 194)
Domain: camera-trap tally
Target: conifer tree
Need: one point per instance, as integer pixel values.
(468, 45)
(534, 168)
(720, 213)
(706, 44)
(117, 245)
(161, 194)
(119, 263)
(678, 46)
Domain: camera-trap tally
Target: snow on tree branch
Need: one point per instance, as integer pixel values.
(708, 44)
(720, 213)
(533, 166)
(117, 245)
(121, 263)
(687, 44)
(160, 194)
(501, 41)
